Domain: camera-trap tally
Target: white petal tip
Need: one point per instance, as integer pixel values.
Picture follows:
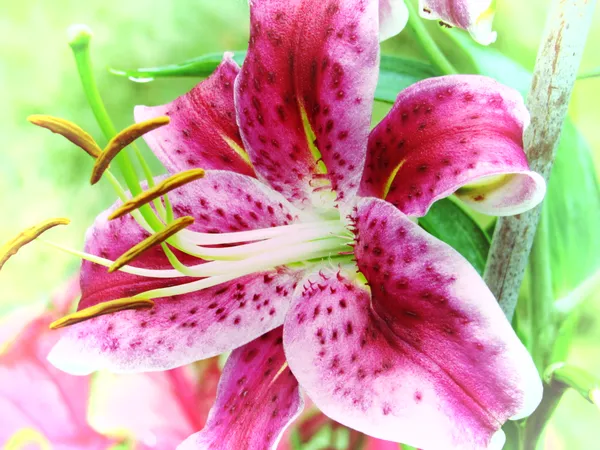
(498, 440)
(393, 17)
(518, 193)
(67, 361)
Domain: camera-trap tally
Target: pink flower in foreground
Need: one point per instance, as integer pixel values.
(44, 408)
(40, 406)
(303, 259)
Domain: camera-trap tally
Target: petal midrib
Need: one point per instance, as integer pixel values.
(387, 331)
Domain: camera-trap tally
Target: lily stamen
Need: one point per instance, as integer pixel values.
(122, 140)
(243, 251)
(100, 309)
(148, 273)
(26, 236)
(219, 272)
(260, 234)
(68, 130)
(151, 241)
(167, 185)
(308, 233)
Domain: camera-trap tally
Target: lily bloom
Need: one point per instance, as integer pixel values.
(41, 407)
(475, 16)
(304, 257)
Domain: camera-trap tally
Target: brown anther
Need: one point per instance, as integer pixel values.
(122, 140)
(160, 189)
(25, 237)
(156, 239)
(68, 130)
(100, 309)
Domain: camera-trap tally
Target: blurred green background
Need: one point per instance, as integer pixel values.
(43, 176)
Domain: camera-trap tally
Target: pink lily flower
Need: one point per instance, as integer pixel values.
(475, 16)
(41, 407)
(305, 258)
(157, 410)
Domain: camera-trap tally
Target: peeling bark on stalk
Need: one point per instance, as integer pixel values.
(554, 75)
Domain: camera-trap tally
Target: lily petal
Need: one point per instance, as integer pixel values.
(29, 385)
(425, 348)
(448, 133)
(475, 16)
(258, 398)
(393, 16)
(185, 328)
(203, 131)
(157, 409)
(314, 56)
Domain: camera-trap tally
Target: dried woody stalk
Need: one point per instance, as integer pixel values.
(554, 75)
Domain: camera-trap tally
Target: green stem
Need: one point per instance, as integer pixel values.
(536, 423)
(80, 45)
(541, 295)
(435, 55)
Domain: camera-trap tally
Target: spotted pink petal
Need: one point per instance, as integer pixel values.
(30, 388)
(446, 133)
(424, 347)
(258, 398)
(203, 132)
(320, 56)
(393, 16)
(185, 328)
(476, 16)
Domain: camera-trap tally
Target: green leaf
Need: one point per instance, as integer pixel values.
(583, 382)
(449, 223)
(397, 73)
(573, 213)
(573, 198)
(201, 66)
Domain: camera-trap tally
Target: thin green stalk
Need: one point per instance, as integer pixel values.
(431, 49)
(80, 45)
(580, 294)
(541, 295)
(536, 423)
